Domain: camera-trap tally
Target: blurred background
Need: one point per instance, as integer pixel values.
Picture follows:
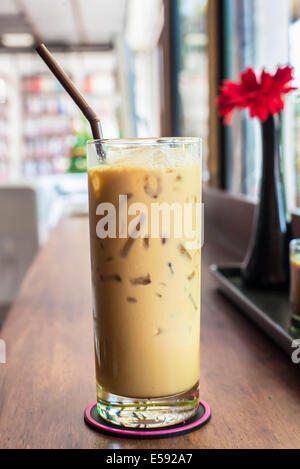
(149, 68)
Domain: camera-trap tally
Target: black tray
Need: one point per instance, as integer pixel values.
(271, 312)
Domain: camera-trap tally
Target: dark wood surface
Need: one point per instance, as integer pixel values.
(252, 387)
(222, 207)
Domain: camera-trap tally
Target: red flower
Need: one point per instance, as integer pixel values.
(262, 97)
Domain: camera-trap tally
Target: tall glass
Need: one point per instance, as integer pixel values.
(145, 231)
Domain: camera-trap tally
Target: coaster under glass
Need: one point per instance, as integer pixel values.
(97, 423)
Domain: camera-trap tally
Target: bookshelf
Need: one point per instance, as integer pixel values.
(4, 127)
(38, 120)
(49, 122)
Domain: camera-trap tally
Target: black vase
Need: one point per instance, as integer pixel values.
(267, 261)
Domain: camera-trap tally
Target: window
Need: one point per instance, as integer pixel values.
(193, 71)
(261, 33)
(294, 36)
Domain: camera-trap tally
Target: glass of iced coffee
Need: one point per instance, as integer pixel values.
(145, 239)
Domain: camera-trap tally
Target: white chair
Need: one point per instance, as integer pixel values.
(19, 240)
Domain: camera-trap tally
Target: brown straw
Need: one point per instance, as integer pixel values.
(75, 94)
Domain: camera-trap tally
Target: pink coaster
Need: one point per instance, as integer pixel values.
(94, 421)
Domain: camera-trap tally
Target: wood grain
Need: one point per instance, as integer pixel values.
(48, 380)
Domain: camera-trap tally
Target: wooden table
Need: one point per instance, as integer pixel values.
(252, 388)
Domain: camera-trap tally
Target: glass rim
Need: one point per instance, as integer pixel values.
(146, 141)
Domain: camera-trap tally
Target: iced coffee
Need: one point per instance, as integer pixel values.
(145, 237)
